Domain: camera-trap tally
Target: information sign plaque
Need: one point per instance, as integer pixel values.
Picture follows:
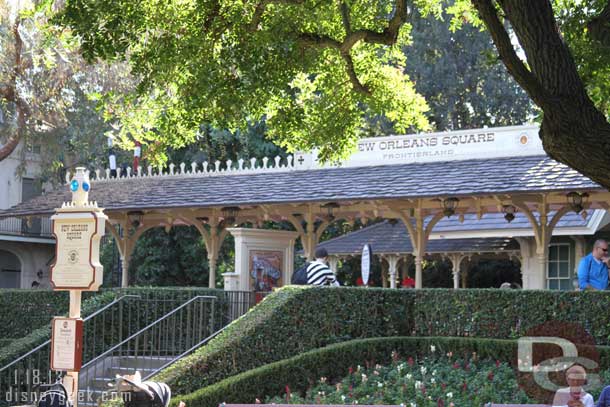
(67, 344)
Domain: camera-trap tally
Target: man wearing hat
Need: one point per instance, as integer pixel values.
(318, 273)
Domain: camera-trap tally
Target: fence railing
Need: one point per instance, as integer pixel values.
(35, 227)
(19, 379)
(157, 344)
(176, 327)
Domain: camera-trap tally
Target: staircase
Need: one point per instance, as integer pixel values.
(126, 335)
(155, 346)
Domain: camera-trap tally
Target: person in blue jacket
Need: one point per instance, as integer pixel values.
(604, 398)
(593, 268)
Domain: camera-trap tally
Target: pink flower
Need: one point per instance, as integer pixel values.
(456, 365)
(410, 361)
(288, 395)
(497, 363)
(490, 376)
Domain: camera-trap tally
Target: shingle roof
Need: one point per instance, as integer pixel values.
(386, 238)
(493, 221)
(461, 178)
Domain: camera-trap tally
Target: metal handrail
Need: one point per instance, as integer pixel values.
(48, 342)
(177, 358)
(159, 320)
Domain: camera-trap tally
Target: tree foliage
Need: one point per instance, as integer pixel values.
(312, 69)
(46, 90)
(315, 69)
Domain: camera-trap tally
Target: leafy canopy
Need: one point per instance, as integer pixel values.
(312, 69)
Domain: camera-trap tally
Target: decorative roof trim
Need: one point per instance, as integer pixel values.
(202, 170)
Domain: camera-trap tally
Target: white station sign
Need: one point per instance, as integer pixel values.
(496, 142)
(78, 227)
(77, 264)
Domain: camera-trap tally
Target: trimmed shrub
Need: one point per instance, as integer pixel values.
(492, 313)
(291, 321)
(298, 319)
(36, 308)
(334, 362)
(36, 337)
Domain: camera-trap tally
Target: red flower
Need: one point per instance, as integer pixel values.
(288, 395)
(443, 386)
(423, 390)
(410, 361)
(464, 386)
(490, 376)
(350, 370)
(497, 363)
(456, 365)
(440, 403)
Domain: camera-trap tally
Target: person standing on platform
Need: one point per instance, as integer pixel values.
(318, 272)
(593, 268)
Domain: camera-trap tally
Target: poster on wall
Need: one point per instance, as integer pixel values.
(265, 269)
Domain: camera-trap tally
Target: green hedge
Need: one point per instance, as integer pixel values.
(298, 319)
(492, 313)
(19, 347)
(155, 303)
(333, 362)
(291, 321)
(35, 309)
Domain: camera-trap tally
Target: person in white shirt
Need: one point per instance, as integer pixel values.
(574, 395)
(318, 273)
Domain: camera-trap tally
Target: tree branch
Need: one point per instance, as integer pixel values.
(599, 26)
(389, 36)
(260, 8)
(10, 94)
(324, 41)
(515, 66)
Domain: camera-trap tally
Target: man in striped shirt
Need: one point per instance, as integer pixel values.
(318, 273)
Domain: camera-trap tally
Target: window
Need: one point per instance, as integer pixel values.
(558, 271)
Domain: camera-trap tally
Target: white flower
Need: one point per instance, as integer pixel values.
(343, 397)
(432, 348)
(423, 370)
(409, 376)
(434, 373)
(364, 378)
(418, 385)
(449, 395)
(432, 380)
(379, 384)
(413, 405)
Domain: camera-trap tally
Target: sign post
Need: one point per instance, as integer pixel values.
(367, 254)
(78, 227)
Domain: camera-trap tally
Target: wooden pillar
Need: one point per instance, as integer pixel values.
(414, 222)
(333, 262)
(456, 261)
(125, 242)
(535, 278)
(213, 233)
(392, 260)
(310, 235)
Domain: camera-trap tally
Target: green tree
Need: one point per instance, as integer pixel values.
(316, 68)
(47, 89)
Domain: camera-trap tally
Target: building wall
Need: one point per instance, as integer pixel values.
(10, 178)
(33, 257)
